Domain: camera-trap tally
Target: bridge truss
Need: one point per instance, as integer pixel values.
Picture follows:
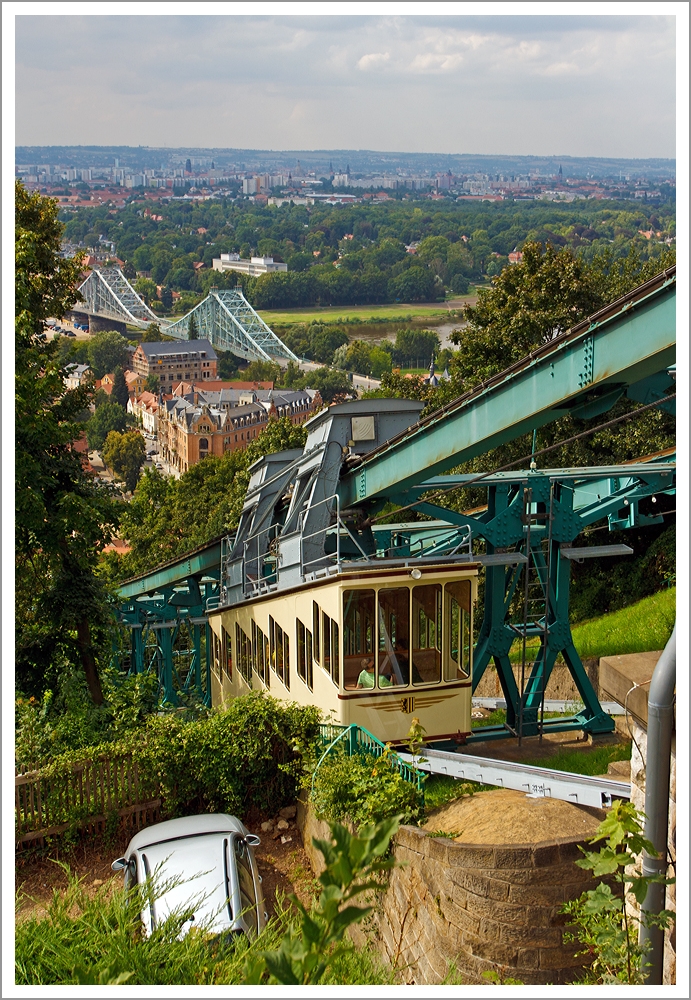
(226, 318)
(108, 293)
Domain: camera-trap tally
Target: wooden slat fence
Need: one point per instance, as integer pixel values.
(83, 797)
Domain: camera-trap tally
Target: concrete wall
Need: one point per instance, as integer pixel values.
(481, 908)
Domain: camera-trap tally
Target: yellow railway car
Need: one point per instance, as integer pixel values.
(373, 646)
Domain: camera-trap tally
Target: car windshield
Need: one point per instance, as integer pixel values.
(198, 866)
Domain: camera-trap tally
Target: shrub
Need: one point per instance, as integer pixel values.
(254, 754)
(363, 789)
(251, 754)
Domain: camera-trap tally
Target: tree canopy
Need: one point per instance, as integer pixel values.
(125, 455)
(63, 519)
(107, 351)
(405, 250)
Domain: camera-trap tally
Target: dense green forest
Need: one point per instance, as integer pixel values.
(355, 254)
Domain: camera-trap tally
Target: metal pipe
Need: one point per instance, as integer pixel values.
(657, 779)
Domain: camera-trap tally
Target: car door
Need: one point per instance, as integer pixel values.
(246, 885)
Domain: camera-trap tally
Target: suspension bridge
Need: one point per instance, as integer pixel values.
(224, 317)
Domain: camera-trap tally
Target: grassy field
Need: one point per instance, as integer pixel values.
(643, 626)
(348, 315)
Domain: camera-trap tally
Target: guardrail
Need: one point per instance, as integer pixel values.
(358, 740)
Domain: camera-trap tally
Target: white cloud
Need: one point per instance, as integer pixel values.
(436, 62)
(373, 60)
(460, 84)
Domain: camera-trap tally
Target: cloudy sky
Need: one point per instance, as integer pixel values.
(572, 85)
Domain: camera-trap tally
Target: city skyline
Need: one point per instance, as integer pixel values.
(540, 84)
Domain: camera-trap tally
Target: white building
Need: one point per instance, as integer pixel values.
(253, 267)
(145, 408)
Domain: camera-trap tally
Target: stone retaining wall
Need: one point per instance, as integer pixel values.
(480, 908)
(560, 687)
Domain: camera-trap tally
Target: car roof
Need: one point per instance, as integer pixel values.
(186, 826)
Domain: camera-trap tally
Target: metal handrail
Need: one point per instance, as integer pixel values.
(260, 559)
(338, 525)
(360, 740)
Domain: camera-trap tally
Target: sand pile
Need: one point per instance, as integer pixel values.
(505, 816)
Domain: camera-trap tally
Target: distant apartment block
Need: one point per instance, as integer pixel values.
(200, 423)
(253, 267)
(191, 360)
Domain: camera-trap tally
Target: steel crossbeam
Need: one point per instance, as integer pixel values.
(629, 347)
(538, 782)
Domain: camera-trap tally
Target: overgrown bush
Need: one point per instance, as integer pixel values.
(67, 720)
(363, 789)
(254, 754)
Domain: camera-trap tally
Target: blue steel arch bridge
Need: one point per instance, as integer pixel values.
(529, 527)
(224, 317)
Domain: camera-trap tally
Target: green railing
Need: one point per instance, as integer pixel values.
(358, 740)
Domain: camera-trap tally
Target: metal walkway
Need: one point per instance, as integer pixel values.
(538, 782)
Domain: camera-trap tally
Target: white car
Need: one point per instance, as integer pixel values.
(206, 865)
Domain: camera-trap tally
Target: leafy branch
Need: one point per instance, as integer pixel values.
(354, 863)
(606, 925)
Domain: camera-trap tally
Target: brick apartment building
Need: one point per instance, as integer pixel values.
(199, 424)
(191, 360)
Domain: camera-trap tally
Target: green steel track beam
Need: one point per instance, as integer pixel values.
(583, 371)
(205, 559)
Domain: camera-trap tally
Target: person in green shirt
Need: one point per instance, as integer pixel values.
(366, 678)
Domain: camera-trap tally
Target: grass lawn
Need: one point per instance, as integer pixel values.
(642, 627)
(363, 314)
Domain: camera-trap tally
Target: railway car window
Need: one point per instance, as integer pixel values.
(426, 622)
(308, 657)
(458, 630)
(304, 654)
(272, 644)
(335, 650)
(393, 658)
(358, 639)
(278, 642)
(229, 657)
(326, 639)
(216, 654)
(315, 632)
(243, 648)
(258, 643)
(302, 651)
(227, 654)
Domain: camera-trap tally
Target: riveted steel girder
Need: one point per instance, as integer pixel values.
(108, 293)
(585, 369)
